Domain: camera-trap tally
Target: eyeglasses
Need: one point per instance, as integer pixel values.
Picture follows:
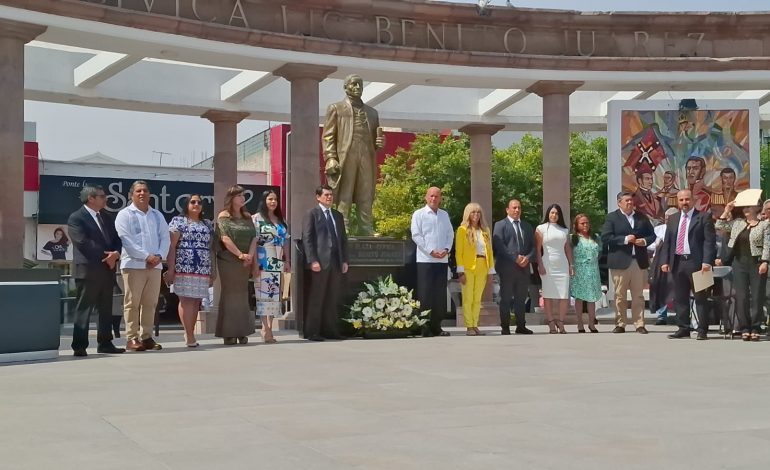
(195, 202)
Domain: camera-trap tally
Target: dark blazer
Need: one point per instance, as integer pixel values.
(89, 244)
(317, 238)
(506, 248)
(701, 235)
(614, 232)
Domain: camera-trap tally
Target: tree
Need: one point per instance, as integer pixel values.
(406, 176)
(517, 173)
(588, 188)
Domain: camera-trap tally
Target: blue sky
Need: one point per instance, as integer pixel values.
(66, 131)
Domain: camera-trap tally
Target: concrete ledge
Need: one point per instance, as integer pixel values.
(28, 356)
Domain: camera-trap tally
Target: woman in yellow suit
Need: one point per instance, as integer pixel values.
(473, 252)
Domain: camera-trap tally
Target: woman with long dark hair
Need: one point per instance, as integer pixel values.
(189, 262)
(235, 257)
(57, 247)
(586, 285)
(272, 261)
(554, 260)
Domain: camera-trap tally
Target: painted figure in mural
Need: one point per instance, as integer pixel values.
(644, 200)
(667, 194)
(728, 193)
(695, 170)
(351, 139)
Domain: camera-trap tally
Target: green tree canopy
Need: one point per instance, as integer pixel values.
(517, 173)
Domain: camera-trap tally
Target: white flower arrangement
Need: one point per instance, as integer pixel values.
(385, 306)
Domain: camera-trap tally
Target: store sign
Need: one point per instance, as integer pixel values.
(60, 196)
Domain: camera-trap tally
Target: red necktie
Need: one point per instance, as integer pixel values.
(681, 235)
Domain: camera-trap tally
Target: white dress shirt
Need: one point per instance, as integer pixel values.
(143, 234)
(431, 231)
(630, 219)
(660, 235)
(93, 216)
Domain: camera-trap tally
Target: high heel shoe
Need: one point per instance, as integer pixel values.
(581, 330)
(478, 332)
(593, 329)
(560, 324)
(552, 327)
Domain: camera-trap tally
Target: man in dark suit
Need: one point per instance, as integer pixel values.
(514, 249)
(95, 255)
(689, 246)
(626, 234)
(326, 254)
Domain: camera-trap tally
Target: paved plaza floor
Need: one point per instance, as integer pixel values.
(601, 401)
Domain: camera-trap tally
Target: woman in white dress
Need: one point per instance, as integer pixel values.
(554, 260)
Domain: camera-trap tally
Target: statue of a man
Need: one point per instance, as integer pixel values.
(351, 139)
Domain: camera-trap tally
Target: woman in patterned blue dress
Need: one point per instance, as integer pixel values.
(272, 261)
(586, 285)
(189, 263)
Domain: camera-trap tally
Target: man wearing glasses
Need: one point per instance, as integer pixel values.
(96, 253)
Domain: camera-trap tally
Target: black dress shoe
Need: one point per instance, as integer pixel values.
(642, 330)
(702, 336)
(109, 348)
(316, 338)
(443, 333)
(505, 331)
(523, 331)
(680, 333)
(619, 329)
(79, 353)
(661, 322)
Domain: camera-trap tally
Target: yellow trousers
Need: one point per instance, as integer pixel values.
(475, 281)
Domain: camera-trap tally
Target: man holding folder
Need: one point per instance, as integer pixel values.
(689, 247)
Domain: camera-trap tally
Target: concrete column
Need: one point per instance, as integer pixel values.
(556, 165)
(225, 153)
(305, 140)
(481, 165)
(303, 174)
(13, 36)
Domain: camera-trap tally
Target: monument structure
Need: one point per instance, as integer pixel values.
(352, 135)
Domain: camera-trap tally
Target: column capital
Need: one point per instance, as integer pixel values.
(489, 129)
(21, 31)
(216, 115)
(294, 71)
(553, 87)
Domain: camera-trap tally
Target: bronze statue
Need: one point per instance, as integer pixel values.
(351, 139)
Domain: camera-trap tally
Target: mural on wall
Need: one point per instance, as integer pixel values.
(665, 150)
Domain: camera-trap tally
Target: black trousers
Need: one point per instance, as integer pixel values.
(323, 303)
(749, 293)
(432, 291)
(93, 293)
(683, 268)
(514, 289)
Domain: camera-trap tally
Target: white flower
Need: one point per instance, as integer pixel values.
(407, 309)
(367, 312)
(380, 303)
(394, 303)
(403, 290)
(361, 295)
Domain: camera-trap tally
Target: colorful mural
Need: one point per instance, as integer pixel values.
(663, 151)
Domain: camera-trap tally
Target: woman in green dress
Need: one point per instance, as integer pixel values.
(235, 257)
(586, 285)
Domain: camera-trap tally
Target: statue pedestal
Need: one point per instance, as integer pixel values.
(370, 258)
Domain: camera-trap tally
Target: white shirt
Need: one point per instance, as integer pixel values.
(331, 216)
(143, 234)
(686, 250)
(93, 216)
(660, 235)
(431, 231)
(630, 219)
